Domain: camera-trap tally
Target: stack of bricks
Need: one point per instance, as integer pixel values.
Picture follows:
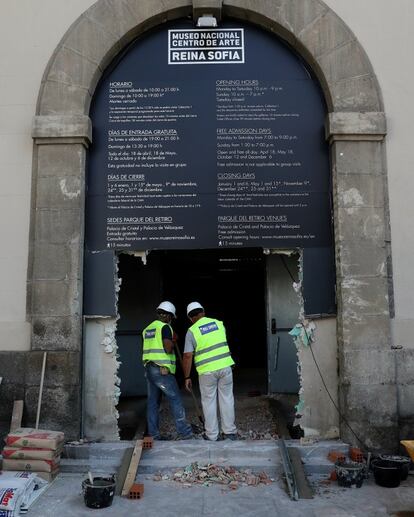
(33, 450)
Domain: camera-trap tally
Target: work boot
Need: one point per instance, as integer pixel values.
(205, 437)
(231, 437)
(186, 437)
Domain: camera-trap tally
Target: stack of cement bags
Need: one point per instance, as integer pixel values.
(33, 450)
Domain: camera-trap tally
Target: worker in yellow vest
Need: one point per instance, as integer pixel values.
(206, 341)
(159, 361)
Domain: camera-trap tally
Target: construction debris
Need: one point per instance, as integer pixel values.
(206, 475)
(254, 419)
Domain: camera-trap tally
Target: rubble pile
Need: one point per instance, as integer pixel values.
(254, 420)
(207, 475)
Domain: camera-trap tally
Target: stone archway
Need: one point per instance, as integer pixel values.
(355, 129)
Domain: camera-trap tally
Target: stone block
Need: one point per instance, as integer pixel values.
(58, 226)
(362, 297)
(324, 33)
(91, 40)
(266, 13)
(54, 262)
(356, 124)
(360, 224)
(9, 392)
(357, 259)
(378, 439)
(57, 333)
(120, 18)
(73, 69)
(370, 332)
(372, 366)
(406, 426)
(359, 190)
(60, 192)
(406, 401)
(358, 158)
(299, 14)
(201, 7)
(376, 403)
(356, 94)
(12, 368)
(61, 409)
(62, 368)
(56, 298)
(64, 98)
(62, 126)
(343, 62)
(61, 160)
(405, 366)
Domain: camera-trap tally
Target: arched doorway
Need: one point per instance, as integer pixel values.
(355, 128)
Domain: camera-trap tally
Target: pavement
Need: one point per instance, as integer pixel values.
(168, 498)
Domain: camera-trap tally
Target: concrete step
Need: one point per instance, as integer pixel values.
(255, 454)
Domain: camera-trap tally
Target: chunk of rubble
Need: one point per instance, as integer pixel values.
(232, 478)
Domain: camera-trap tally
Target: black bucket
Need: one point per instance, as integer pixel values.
(350, 473)
(400, 461)
(100, 494)
(386, 473)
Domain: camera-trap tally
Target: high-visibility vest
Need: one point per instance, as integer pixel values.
(211, 352)
(153, 348)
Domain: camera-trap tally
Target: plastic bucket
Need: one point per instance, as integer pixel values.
(400, 461)
(386, 473)
(350, 473)
(100, 494)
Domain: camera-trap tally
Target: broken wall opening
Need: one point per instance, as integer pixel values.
(247, 291)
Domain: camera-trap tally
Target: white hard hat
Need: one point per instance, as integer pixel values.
(167, 307)
(192, 306)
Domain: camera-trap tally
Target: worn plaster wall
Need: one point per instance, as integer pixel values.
(101, 383)
(318, 414)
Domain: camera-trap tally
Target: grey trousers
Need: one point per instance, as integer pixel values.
(213, 385)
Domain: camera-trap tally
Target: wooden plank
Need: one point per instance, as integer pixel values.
(304, 490)
(17, 415)
(133, 467)
(123, 469)
(141, 428)
(42, 378)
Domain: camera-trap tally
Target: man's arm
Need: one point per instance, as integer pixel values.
(187, 361)
(188, 358)
(167, 339)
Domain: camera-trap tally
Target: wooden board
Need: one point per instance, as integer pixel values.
(123, 469)
(17, 415)
(133, 467)
(304, 490)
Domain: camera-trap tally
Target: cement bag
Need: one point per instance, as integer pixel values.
(31, 465)
(30, 453)
(40, 439)
(11, 499)
(27, 481)
(15, 492)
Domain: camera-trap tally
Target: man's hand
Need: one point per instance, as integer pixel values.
(188, 385)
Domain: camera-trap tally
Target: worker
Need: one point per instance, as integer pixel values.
(159, 361)
(206, 341)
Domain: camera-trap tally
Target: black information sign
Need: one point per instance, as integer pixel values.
(208, 138)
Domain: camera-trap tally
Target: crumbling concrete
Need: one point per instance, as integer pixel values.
(101, 383)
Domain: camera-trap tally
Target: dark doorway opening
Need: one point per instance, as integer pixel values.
(230, 284)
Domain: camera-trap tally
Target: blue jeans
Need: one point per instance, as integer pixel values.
(158, 384)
